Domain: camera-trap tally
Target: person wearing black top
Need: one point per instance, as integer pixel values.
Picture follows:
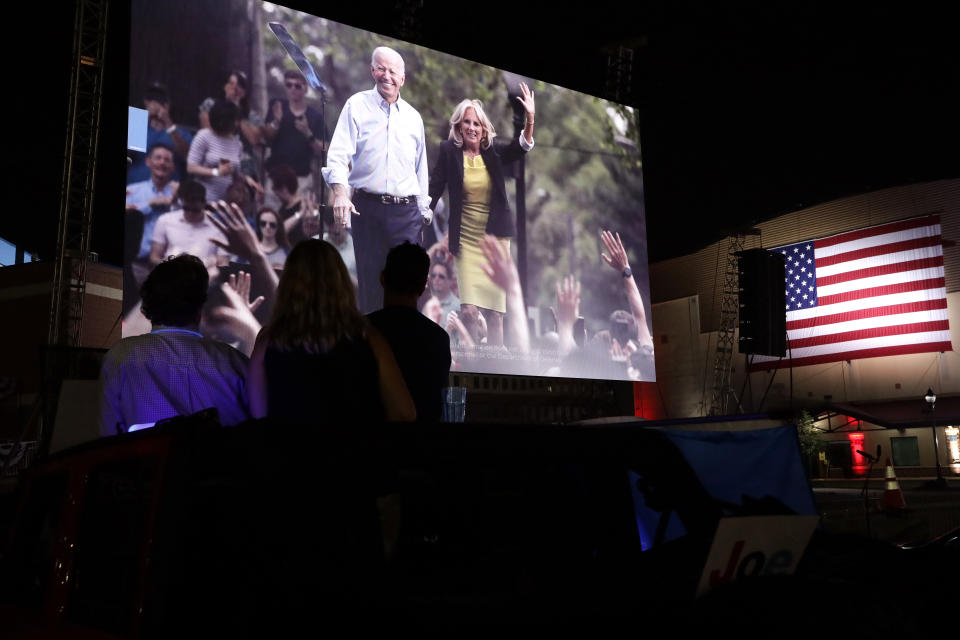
(319, 361)
(294, 130)
(421, 346)
(471, 169)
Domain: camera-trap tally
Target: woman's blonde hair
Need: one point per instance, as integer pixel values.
(315, 307)
(489, 133)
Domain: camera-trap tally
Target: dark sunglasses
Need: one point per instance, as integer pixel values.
(268, 223)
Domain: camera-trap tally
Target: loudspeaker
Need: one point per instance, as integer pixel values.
(78, 414)
(762, 299)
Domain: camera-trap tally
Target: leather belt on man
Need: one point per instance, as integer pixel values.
(386, 198)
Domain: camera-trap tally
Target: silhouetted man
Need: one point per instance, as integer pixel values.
(421, 346)
(173, 370)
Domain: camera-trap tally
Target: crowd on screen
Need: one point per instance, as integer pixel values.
(230, 159)
(624, 348)
(240, 190)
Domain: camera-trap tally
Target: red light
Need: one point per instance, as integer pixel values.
(859, 462)
(647, 401)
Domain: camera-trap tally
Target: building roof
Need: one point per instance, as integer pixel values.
(901, 414)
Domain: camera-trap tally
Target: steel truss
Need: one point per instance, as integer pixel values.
(79, 172)
(726, 335)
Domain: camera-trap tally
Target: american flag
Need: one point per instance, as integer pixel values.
(873, 292)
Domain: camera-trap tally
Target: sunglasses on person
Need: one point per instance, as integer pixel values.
(294, 85)
(270, 224)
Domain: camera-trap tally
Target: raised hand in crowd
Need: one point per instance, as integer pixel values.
(500, 268)
(242, 242)
(440, 251)
(309, 215)
(237, 314)
(475, 324)
(621, 354)
(240, 283)
(433, 310)
(303, 126)
(160, 113)
(241, 238)
(268, 130)
(567, 311)
(455, 326)
(616, 257)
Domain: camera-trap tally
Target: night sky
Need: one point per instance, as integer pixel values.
(748, 110)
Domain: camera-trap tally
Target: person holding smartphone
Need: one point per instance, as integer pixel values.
(160, 130)
(294, 130)
(214, 156)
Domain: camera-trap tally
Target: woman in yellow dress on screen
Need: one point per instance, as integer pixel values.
(470, 168)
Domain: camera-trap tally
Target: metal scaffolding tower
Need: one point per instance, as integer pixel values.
(726, 335)
(619, 81)
(79, 170)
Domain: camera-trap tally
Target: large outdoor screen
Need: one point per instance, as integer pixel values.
(538, 254)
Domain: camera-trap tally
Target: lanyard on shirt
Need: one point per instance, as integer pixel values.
(193, 333)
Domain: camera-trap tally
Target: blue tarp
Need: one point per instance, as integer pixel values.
(731, 465)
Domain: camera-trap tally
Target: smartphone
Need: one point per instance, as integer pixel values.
(232, 268)
(579, 332)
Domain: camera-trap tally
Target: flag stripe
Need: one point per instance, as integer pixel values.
(864, 343)
(880, 301)
(874, 332)
(886, 269)
(902, 287)
(854, 355)
(869, 252)
(876, 241)
(917, 275)
(869, 323)
(862, 314)
(893, 227)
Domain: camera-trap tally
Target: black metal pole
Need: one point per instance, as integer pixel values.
(936, 448)
(520, 173)
(322, 202)
(940, 482)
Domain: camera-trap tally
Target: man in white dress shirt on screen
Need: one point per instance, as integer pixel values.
(378, 150)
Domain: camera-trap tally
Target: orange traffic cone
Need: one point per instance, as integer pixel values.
(892, 495)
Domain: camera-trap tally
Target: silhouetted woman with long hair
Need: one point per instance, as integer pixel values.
(319, 360)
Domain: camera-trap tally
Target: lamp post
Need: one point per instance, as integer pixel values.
(931, 399)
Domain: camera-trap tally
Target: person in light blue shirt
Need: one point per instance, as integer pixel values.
(161, 130)
(378, 151)
(152, 198)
